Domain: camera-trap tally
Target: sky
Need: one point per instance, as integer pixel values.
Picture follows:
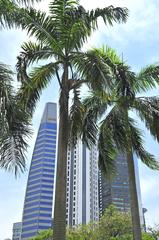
(138, 42)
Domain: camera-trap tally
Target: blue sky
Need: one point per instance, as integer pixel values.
(138, 41)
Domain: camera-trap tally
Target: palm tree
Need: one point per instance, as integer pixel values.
(14, 125)
(59, 38)
(118, 130)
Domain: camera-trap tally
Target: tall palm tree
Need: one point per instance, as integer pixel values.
(118, 130)
(14, 125)
(59, 38)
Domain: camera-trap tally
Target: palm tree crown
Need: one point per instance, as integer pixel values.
(118, 130)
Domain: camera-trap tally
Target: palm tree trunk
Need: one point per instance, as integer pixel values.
(134, 204)
(59, 228)
(133, 197)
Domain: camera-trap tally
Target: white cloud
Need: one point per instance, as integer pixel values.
(140, 27)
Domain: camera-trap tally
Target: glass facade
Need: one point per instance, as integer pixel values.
(37, 211)
(17, 229)
(116, 190)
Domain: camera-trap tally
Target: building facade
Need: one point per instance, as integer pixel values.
(17, 230)
(82, 204)
(116, 190)
(37, 211)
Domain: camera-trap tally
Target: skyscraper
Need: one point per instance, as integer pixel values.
(37, 212)
(17, 230)
(82, 185)
(116, 190)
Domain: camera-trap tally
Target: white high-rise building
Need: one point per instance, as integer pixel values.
(82, 204)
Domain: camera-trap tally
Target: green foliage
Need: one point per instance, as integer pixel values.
(44, 235)
(154, 232)
(82, 232)
(148, 236)
(14, 125)
(113, 225)
(10, 12)
(90, 232)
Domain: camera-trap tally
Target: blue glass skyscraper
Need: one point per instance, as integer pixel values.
(117, 190)
(37, 211)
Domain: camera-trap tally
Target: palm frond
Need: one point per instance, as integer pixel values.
(97, 102)
(76, 117)
(107, 151)
(7, 13)
(41, 26)
(63, 15)
(115, 120)
(125, 80)
(14, 125)
(147, 109)
(12, 12)
(138, 147)
(14, 142)
(31, 52)
(59, 9)
(39, 78)
(6, 94)
(74, 24)
(36, 23)
(79, 30)
(109, 55)
(147, 78)
(112, 139)
(103, 67)
(89, 129)
(35, 52)
(82, 122)
(93, 68)
(109, 15)
(26, 2)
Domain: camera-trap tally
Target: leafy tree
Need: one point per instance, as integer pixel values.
(154, 232)
(118, 130)
(14, 125)
(83, 232)
(148, 236)
(59, 38)
(44, 235)
(115, 225)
